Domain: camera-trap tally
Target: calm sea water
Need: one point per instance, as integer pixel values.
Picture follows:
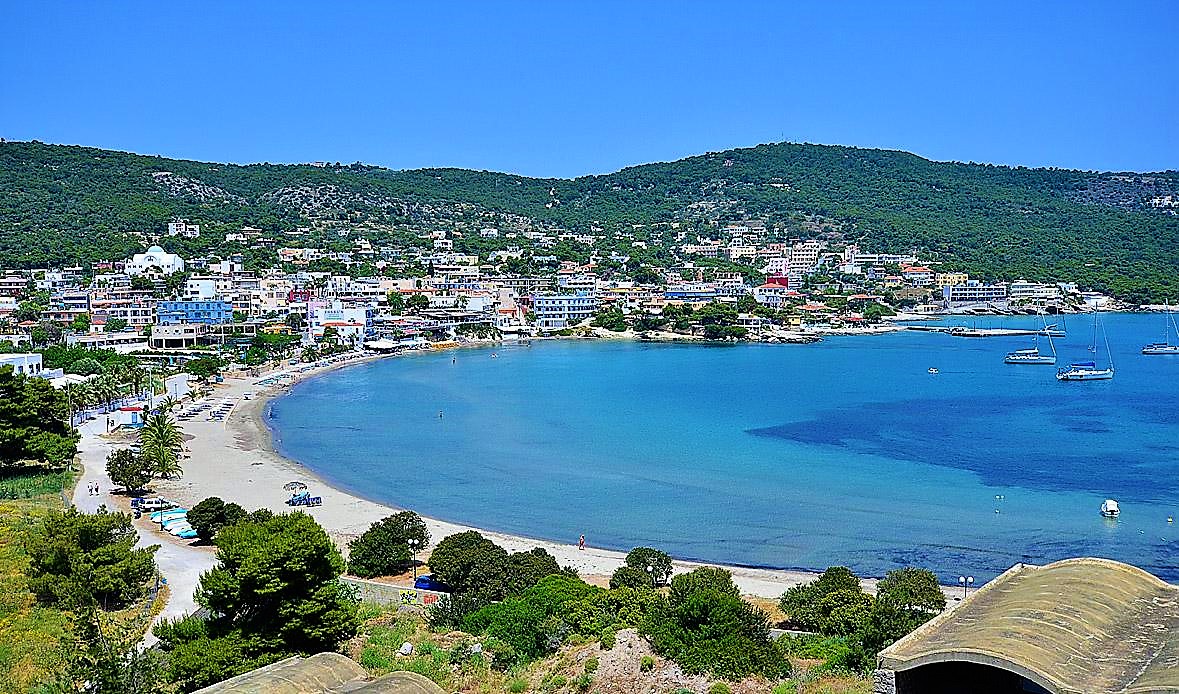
(843, 452)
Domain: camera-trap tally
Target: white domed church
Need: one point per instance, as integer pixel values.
(154, 260)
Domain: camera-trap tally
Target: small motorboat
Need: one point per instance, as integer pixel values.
(933, 370)
(1109, 509)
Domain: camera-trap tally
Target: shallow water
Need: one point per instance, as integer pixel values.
(796, 456)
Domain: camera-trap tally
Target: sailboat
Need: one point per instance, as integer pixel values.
(1087, 370)
(1165, 347)
(1033, 355)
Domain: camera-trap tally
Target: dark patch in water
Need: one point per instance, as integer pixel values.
(967, 435)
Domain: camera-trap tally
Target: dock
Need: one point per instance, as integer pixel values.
(962, 331)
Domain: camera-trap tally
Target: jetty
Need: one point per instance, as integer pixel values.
(962, 331)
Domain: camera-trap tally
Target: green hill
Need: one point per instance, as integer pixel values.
(76, 204)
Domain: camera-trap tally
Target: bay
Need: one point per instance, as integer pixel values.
(794, 456)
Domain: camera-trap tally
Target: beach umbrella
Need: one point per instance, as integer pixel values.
(294, 486)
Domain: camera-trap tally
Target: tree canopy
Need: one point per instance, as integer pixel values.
(33, 422)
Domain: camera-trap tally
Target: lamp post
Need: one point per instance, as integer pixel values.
(413, 547)
(965, 582)
(651, 573)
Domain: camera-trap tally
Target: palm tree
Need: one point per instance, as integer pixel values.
(160, 444)
(167, 404)
(106, 389)
(310, 354)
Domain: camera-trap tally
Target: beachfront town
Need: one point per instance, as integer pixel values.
(389, 298)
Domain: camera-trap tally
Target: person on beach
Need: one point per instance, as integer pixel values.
(581, 542)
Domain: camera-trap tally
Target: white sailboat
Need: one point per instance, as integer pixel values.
(1165, 347)
(1088, 370)
(1033, 355)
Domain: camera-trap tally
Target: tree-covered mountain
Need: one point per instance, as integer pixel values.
(1108, 231)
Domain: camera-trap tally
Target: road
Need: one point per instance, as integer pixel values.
(180, 563)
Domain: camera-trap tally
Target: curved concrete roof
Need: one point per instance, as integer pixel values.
(1075, 626)
(324, 673)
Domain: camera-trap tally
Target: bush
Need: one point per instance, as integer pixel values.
(591, 666)
(628, 577)
(463, 561)
(801, 602)
(81, 559)
(450, 611)
(608, 638)
(647, 664)
(640, 558)
(843, 612)
(384, 549)
(705, 578)
(582, 682)
(719, 688)
(517, 685)
(127, 470)
(212, 514)
(706, 627)
(274, 592)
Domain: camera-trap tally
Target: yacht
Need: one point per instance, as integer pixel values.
(1087, 370)
(1165, 347)
(1033, 355)
(1084, 371)
(1029, 356)
(1109, 509)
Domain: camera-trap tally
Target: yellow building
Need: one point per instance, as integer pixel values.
(950, 279)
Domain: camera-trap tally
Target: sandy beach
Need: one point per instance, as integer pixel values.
(234, 460)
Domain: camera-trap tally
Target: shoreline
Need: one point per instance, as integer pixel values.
(237, 461)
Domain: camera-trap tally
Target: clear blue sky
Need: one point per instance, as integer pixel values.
(569, 88)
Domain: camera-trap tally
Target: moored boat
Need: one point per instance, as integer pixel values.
(1164, 347)
(1109, 509)
(1084, 371)
(1087, 370)
(1029, 356)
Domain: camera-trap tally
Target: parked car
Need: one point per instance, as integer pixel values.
(153, 504)
(428, 582)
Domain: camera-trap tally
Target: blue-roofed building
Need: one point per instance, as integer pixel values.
(207, 312)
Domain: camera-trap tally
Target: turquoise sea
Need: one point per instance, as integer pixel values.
(796, 456)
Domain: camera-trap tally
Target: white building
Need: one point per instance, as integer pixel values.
(181, 227)
(557, 311)
(154, 260)
(200, 289)
(27, 364)
(348, 321)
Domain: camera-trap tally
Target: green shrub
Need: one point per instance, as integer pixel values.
(630, 577)
(553, 681)
(375, 658)
(801, 602)
(719, 688)
(608, 638)
(582, 682)
(705, 627)
(591, 666)
(384, 549)
(647, 664)
(640, 558)
(517, 685)
(789, 687)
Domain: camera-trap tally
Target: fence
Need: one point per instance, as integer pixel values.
(386, 594)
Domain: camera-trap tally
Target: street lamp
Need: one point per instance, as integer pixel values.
(651, 573)
(413, 547)
(965, 582)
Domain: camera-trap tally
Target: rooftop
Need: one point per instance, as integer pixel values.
(1074, 626)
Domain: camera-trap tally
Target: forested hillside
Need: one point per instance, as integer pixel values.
(62, 204)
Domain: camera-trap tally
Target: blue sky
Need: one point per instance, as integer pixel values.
(570, 88)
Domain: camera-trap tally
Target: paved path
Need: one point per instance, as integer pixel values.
(180, 563)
